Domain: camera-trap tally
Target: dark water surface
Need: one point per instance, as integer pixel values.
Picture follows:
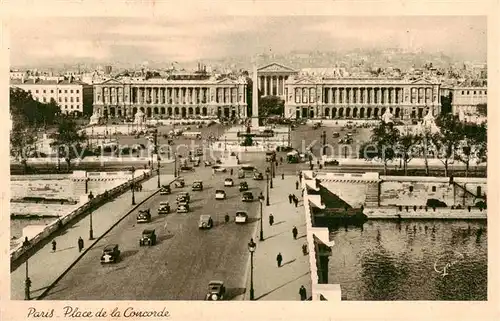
(387, 260)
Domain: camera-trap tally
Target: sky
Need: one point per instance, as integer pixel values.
(41, 40)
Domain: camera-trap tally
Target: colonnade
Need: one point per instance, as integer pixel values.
(272, 85)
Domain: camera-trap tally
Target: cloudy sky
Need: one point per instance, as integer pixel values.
(136, 40)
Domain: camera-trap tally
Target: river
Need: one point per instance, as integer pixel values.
(411, 260)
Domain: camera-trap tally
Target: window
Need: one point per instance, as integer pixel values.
(36, 91)
(463, 92)
(65, 91)
(65, 99)
(71, 91)
(78, 91)
(411, 188)
(44, 91)
(468, 92)
(77, 99)
(44, 100)
(65, 106)
(474, 92)
(71, 106)
(52, 91)
(485, 92)
(433, 188)
(71, 99)
(60, 99)
(60, 91)
(478, 191)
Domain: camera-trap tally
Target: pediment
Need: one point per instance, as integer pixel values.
(227, 81)
(421, 81)
(111, 81)
(275, 67)
(305, 81)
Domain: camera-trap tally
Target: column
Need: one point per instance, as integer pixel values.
(365, 93)
(344, 95)
(265, 86)
(386, 96)
(337, 95)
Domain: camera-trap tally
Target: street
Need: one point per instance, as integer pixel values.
(185, 258)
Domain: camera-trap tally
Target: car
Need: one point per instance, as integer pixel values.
(183, 208)
(258, 176)
(183, 197)
(186, 168)
(216, 291)
(228, 182)
(219, 169)
(207, 163)
(199, 152)
(220, 194)
(148, 238)
(165, 190)
(197, 186)
(241, 174)
(110, 254)
(332, 162)
(241, 217)
(164, 208)
(205, 222)
(180, 182)
(336, 135)
(144, 216)
(247, 197)
(243, 186)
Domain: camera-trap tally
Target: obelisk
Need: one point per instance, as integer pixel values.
(255, 99)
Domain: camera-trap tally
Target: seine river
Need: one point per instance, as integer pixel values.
(411, 260)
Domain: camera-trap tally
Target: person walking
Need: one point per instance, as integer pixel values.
(54, 245)
(290, 198)
(303, 293)
(295, 232)
(279, 259)
(282, 176)
(80, 244)
(295, 200)
(304, 248)
(231, 171)
(271, 219)
(296, 184)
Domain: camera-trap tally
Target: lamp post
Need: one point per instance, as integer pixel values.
(323, 136)
(251, 248)
(91, 231)
(271, 174)
(132, 186)
(175, 164)
(27, 280)
(267, 186)
(158, 173)
(261, 200)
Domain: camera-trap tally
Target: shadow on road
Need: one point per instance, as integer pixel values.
(253, 220)
(232, 293)
(288, 262)
(279, 287)
(302, 236)
(128, 253)
(163, 237)
(270, 237)
(280, 222)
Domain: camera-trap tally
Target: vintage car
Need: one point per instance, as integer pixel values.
(197, 186)
(164, 208)
(183, 208)
(183, 197)
(241, 217)
(205, 222)
(180, 182)
(207, 163)
(216, 291)
(165, 190)
(219, 169)
(110, 254)
(247, 197)
(336, 135)
(198, 152)
(258, 176)
(243, 186)
(228, 182)
(241, 174)
(148, 238)
(144, 216)
(186, 168)
(316, 125)
(220, 194)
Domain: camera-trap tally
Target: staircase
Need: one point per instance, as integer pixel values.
(469, 192)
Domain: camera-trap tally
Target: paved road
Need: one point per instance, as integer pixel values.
(185, 259)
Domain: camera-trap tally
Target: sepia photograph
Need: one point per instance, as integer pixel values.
(247, 158)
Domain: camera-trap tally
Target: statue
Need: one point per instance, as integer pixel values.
(429, 123)
(94, 119)
(387, 116)
(139, 117)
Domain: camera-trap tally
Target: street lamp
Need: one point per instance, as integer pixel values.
(91, 231)
(27, 281)
(261, 200)
(251, 248)
(267, 186)
(158, 173)
(271, 174)
(323, 136)
(132, 186)
(175, 164)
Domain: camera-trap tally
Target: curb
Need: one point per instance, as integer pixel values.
(51, 286)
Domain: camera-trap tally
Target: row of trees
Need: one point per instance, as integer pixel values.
(29, 116)
(454, 140)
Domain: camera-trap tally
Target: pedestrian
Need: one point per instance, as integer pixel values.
(295, 232)
(271, 219)
(54, 245)
(296, 184)
(296, 201)
(304, 248)
(231, 171)
(282, 176)
(281, 160)
(80, 244)
(303, 293)
(290, 198)
(279, 259)
(300, 177)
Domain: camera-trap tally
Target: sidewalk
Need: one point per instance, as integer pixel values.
(44, 267)
(271, 282)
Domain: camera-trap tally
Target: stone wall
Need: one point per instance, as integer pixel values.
(59, 189)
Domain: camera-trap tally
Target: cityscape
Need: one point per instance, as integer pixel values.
(251, 166)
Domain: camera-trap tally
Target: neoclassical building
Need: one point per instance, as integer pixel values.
(361, 98)
(161, 97)
(272, 78)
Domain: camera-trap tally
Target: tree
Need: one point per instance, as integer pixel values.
(472, 145)
(271, 105)
(446, 140)
(482, 109)
(68, 140)
(21, 139)
(384, 137)
(407, 142)
(248, 141)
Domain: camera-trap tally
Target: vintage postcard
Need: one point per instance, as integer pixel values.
(162, 155)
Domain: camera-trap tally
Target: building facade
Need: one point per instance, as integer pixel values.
(465, 99)
(173, 98)
(73, 97)
(361, 98)
(271, 79)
